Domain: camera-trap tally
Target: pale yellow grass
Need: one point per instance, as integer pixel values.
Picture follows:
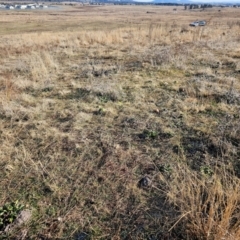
(97, 98)
(209, 205)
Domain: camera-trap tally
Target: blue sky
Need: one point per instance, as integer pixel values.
(217, 1)
(203, 1)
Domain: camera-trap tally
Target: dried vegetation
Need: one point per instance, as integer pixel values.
(130, 131)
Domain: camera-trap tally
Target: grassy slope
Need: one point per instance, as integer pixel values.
(85, 116)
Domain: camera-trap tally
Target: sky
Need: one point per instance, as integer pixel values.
(217, 1)
(203, 1)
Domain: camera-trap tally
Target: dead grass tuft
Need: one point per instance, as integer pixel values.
(208, 204)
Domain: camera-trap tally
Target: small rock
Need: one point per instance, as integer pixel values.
(144, 182)
(23, 217)
(181, 90)
(81, 236)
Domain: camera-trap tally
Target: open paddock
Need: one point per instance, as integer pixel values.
(119, 122)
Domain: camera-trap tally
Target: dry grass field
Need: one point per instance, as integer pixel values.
(120, 122)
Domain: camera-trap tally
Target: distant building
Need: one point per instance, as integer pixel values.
(31, 7)
(9, 7)
(21, 6)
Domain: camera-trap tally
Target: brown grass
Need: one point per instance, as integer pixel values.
(94, 99)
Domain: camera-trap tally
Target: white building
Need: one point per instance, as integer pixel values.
(21, 7)
(31, 7)
(9, 7)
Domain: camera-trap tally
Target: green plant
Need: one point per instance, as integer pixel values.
(9, 212)
(104, 98)
(165, 168)
(205, 170)
(149, 134)
(100, 111)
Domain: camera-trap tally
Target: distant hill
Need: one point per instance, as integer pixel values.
(170, 2)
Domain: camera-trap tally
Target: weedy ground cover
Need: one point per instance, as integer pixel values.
(120, 127)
